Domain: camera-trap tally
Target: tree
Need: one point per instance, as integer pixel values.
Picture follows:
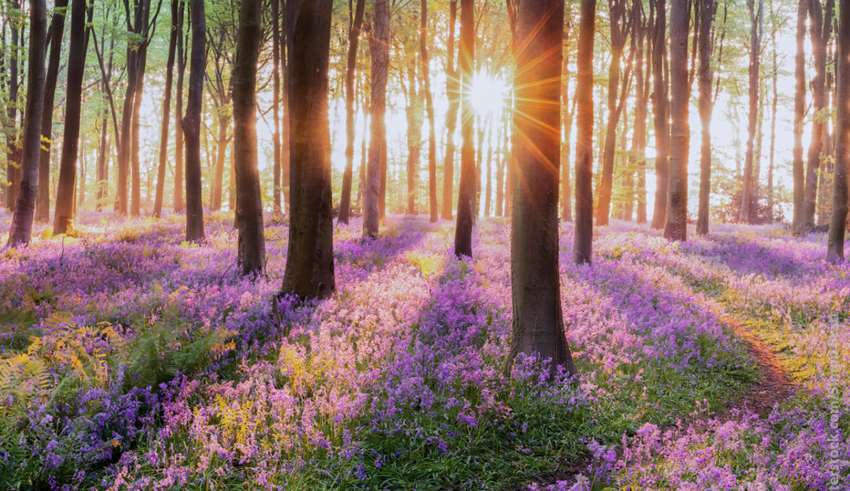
(166, 109)
(248, 196)
(309, 260)
(56, 30)
(756, 11)
(192, 124)
(584, 137)
(20, 231)
(425, 78)
(661, 112)
(379, 47)
(13, 148)
(798, 224)
(466, 192)
(838, 225)
(276, 100)
(452, 92)
(414, 132)
(178, 202)
(707, 11)
(639, 133)
(62, 219)
(676, 227)
(356, 22)
(538, 324)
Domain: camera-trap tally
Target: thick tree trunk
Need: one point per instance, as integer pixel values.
(466, 193)
(380, 52)
(838, 225)
(661, 114)
(676, 227)
(20, 231)
(248, 196)
(178, 202)
(57, 29)
(748, 198)
(425, 80)
(350, 72)
(452, 93)
(798, 224)
(64, 214)
(538, 324)
(309, 261)
(706, 107)
(192, 124)
(166, 111)
(584, 138)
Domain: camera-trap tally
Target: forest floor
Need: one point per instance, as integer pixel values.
(130, 359)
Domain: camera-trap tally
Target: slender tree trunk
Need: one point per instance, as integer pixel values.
(192, 124)
(414, 137)
(638, 152)
(276, 101)
(567, 114)
(466, 194)
(488, 181)
(661, 114)
(708, 8)
(350, 72)
(248, 196)
(217, 191)
(538, 324)
(584, 138)
(309, 261)
(838, 225)
(747, 213)
(57, 28)
(178, 202)
(799, 119)
(500, 171)
(135, 130)
(379, 49)
(425, 80)
(20, 231)
(166, 111)
(676, 227)
(452, 92)
(14, 162)
(63, 217)
(820, 27)
(774, 107)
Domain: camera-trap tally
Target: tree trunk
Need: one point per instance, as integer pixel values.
(838, 225)
(748, 200)
(798, 224)
(488, 180)
(56, 30)
(774, 106)
(178, 202)
(350, 72)
(452, 90)
(584, 138)
(676, 227)
(567, 114)
(425, 80)
(661, 114)
(248, 195)
(217, 191)
(379, 49)
(466, 193)
(276, 100)
(135, 161)
(309, 261)
(538, 324)
(638, 152)
(192, 124)
(14, 162)
(166, 111)
(414, 136)
(20, 231)
(708, 8)
(63, 216)
(820, 27)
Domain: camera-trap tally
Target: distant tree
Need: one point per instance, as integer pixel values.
(838, 224)
(63, 217)
(798, 224)
(356, 23)
(309, 260)
(248, 196)
(13, 144)
(705, 41)
(452, 93)
(166, 109)
(466, 193)
(20, 231)
(179, 202)
(642, 72)
(661, 111)
(756, 14)
(192, 124)
(379, 47)
(676, 227)
(538, 324)
(425, 78)
(277, 52)
(584, 138)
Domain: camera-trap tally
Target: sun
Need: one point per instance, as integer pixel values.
(487, 94)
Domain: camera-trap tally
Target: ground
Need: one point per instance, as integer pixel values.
(130, 359)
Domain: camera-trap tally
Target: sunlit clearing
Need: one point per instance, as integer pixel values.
(487, 94)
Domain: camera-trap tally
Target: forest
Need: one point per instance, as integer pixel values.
(544, 245)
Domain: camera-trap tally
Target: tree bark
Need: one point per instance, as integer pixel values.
(838, 225)
(14, 163)
(166, 111)
(452, 93)
(217, 189)
(676, 227)
(820, 28)
(748, 198)
(379, 49)
(798, 224)
(309, 261)
(276, 101)
(584, 138)
(192, 124)
(638, 152)
(708, 8)
(466, 192)
(414, 136)
(425, 78)
(251, 257)
(64, 214)
(178, 202)
(20, 231)
(350, 73)
(538, 324)
(661, 114)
